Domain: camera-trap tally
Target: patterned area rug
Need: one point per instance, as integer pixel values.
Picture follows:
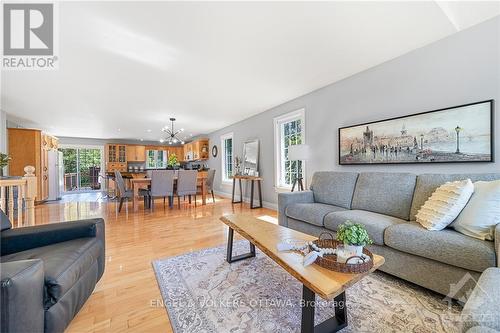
(203, 293)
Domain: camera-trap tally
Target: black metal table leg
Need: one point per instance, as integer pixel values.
(334, 324)
(260, 192)
(229, 256)
(234, 188)
(241, 191)
(260, 195)
(251, 192)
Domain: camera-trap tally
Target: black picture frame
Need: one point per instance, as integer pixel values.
(215, 151)
(425, 161)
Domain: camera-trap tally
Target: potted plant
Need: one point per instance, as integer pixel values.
(237, 165)
(4, 161)
(354, 236)
(173, 162)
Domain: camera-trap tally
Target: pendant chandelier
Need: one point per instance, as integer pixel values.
(171, 134)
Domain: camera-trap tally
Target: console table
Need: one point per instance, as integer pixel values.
(252, 180)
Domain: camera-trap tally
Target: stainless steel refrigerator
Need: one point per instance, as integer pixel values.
(56, 174)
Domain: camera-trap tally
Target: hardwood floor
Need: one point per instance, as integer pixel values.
(126, 296)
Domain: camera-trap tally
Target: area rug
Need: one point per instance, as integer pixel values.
(203, 293)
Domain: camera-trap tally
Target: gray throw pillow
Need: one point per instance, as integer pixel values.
(5, 221)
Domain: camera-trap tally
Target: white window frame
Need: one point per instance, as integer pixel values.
(279, 149)
(157, 164)
(223, 139)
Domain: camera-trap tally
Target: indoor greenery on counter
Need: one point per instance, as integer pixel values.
(4, 161)
(353, 234)
(172, 160)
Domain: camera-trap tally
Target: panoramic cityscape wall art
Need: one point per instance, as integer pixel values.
(457, 134)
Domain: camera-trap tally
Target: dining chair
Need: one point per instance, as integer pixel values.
(162, 185)
(123, 193)
(210, 182)
(186, 185)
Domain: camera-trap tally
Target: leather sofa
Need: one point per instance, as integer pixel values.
(446, 261)
(48, 272)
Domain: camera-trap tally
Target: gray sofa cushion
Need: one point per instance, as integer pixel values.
(64, 263)
(375, 223)
(446, 246)
(334, 188)
(483, 305)
(312, 213)
(385, 193)
(428, 183)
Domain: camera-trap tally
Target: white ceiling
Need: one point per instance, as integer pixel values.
(126, 67)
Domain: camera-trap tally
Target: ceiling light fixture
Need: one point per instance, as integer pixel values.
(172, 136)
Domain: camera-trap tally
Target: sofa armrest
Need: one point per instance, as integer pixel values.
(287, 198)
(483, 306)
(21, 239)
(22, 296)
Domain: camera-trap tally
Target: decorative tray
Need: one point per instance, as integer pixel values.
(329, 261)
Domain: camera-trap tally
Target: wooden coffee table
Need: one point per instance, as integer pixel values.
(315, 279)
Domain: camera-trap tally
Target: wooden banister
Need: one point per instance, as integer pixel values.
(26, 192)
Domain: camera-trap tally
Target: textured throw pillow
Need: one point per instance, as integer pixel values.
(444, 205)
(5, 223)
(482, 213)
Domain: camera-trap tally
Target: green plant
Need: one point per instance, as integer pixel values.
(172, 160)
(353, 234)
(4, 160)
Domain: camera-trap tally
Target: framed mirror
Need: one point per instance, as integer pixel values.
(214, 151)
(251, 158)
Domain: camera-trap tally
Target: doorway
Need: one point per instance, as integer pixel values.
(82, 168)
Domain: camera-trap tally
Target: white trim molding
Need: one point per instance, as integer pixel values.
(223, 138)
(278, 149)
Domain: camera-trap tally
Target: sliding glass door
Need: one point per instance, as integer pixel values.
(82, 167)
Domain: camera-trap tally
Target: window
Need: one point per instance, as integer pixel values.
(289, 130)
(227, 156)
(156, 159)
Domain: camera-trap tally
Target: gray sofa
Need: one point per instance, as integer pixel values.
(48, 272)
(481, 313)
(386, 203)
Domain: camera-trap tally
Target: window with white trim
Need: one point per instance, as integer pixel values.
(156, 159)
(289, 129)
(227, 156)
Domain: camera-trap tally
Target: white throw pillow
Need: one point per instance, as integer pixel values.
(482, 213)
(444, 205)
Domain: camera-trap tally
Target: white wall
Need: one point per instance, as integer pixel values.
(459, 69)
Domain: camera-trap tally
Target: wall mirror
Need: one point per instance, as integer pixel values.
(251, 158)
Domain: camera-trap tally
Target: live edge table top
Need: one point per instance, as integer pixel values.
(266, 236)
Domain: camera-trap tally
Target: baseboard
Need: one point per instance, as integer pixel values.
(266, 204)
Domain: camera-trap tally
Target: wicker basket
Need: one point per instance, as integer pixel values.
(329, 261)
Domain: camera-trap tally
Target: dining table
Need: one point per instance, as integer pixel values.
(138, 183)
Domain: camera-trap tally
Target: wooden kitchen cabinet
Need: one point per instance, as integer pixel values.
(136, 153)
(196, 150)
(116, 157)
(31, 147)
(178, 151)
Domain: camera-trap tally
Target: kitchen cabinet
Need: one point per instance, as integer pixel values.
(116, 158)
(136, 153)
(196, 150)
(31, 147)
(188, 151)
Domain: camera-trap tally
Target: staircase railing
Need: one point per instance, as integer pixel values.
(25, 188)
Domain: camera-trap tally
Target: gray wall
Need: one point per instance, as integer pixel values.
(459, 69)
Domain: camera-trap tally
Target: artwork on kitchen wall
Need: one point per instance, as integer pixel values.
(457, 134)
